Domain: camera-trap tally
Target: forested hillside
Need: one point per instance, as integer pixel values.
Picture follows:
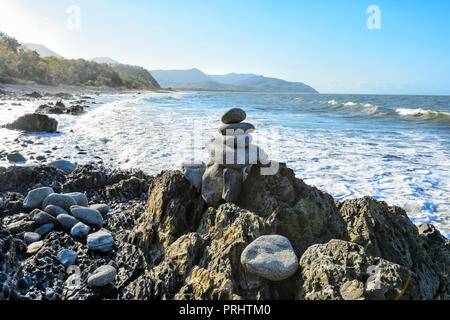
(18, 65)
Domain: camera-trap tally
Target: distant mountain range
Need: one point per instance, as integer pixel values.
(194, 79)
(104, 60)
(42, 50)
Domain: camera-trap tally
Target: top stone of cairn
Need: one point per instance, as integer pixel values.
(234, 115)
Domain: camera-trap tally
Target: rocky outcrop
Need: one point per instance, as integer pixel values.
(295, 210)
(204, 262)
(341, 270)
(167, 243)
(174, 208)
(387, 232)
(34, 122)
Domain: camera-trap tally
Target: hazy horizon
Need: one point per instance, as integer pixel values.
(327, 46)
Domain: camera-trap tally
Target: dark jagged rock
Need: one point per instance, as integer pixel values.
(438, 249)
(75, 110)
(124, 185)
(23, 178)
(168, 244)
(387, 232)
(343, 270)
(127, 189)
(33, 94)
(295, 210)
(232, 180)
(174, 208)
(48, 109)
(34, 122)
(16, 157)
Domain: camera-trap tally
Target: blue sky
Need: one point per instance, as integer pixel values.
(325, 44)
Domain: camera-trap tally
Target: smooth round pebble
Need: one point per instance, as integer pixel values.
(42, 217)
(35, 247)
(35, 197)
(87, 215)
(66, 221)
(240, 142)
(236, 129)
(44, 229)
(64, 165)
(101, 240)
(80, 230)
(67, 257)
(271, 257)
(234, 115)
(62, 200)
(30, 237)
(80, 198)
(55, 210)
(231, 157)
(102, 276)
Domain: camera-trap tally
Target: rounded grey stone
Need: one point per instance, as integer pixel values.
(236, 158)
(80, 230)
(239, 142)
(42, 217)
(55, 210)
(236, 129)
(87, 215)
(35, 247)
(64, 165)
(271, 257)
(80, 198)
(66, 221)
(234, 115)
(15, 157)
(102, 276)
(61, 200)
(67, 257)
(102, 208)
(35, 197)
(101, 240)
(44, 229)
(30, 237)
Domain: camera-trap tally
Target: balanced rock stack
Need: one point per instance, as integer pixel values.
(231, 156)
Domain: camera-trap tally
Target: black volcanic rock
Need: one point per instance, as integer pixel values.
(34, 122)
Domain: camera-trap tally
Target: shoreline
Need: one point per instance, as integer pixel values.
(22, 89)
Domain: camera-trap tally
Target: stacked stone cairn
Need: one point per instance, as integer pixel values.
(232, 155)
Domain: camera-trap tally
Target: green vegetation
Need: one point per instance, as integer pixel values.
(18, 64)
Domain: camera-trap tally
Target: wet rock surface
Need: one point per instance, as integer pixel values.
(161, 240)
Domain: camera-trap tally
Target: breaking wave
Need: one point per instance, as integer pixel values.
(405, 113)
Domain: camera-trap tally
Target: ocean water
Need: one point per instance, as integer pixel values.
(393, 148)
